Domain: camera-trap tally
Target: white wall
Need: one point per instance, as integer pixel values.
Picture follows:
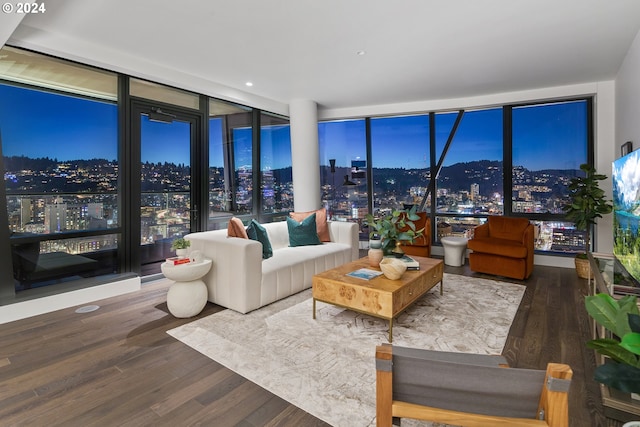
(628, 99)
(605, 145)
(34, 307)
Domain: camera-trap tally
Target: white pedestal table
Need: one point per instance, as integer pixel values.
(188, 295)
(455, 249)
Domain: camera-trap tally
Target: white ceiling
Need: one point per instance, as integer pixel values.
(416, 50)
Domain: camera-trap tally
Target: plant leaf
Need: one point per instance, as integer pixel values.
(622, 377)
(634, 322)
(405, 236)
(604, 309)
(629, 303)
(631, 342)
(611, 348)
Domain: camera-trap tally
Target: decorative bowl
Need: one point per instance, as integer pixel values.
(393, 268)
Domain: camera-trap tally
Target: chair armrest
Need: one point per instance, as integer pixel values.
(527, 237)
(235, 278)
(481, 230)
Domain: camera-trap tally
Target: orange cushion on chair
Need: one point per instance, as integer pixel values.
(236, 229)
(321, 222)
(507, 227)
(503, 247)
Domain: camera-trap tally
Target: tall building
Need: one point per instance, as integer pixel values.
(55, 217)
(26, 211)
(475, 192)
(268, 190)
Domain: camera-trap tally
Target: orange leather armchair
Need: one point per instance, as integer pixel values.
(503, 246)
(421, 246)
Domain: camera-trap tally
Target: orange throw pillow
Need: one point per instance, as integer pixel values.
(236, 229)
(321, 222)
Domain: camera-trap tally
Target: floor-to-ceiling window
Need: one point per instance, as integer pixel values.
(550, 142)
(343, 157)
(165, 180)
(242, 152)
(507, 160)
(103, 171)
(276, 181)
(162, 153)
(469, 185)
(401, 160)
(59, 135)
(230, 160)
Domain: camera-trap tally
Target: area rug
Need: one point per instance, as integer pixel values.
(327, 366)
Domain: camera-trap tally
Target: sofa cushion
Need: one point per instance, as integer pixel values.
(236, 229)
(255, 231)
(291, 269)
(495, 246)
(507, 227)
(321, 222)
(303, 233)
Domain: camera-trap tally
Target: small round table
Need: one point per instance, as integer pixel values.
(454, 250)
(188, 295)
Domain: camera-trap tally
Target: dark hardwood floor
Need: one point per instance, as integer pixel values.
(117, 366)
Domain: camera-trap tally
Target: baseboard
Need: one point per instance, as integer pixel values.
(34, 307)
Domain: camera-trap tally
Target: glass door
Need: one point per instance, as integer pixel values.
(166, 197)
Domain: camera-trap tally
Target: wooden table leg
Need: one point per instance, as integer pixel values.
(314, 309)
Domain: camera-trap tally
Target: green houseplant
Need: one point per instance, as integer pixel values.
(587, 204)
(622, 319)
(397, 226)
(180, 244)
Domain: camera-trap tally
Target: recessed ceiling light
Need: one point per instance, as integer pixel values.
(361, 53)
(249, 84)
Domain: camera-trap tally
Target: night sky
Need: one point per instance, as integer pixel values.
(40, 124)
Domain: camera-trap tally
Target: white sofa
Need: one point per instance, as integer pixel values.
(241, 280)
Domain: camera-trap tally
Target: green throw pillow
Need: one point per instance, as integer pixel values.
(303, 233)
(257, 232)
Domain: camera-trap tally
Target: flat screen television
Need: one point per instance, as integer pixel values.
(626, 219)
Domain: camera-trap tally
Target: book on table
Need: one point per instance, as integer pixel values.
(412, 264)
(365, 273)
(178, 260)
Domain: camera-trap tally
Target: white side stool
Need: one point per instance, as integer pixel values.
(188, 295)
(455, 249)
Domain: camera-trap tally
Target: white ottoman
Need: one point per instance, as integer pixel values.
(455, 249)
(188, 295)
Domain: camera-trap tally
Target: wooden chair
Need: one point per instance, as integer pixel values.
(467, 390)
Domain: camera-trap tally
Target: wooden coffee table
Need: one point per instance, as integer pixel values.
(379, 297)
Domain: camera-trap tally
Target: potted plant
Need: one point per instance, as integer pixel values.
(180, 245)
(622, 319)
(394, 228)
(588, 202)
